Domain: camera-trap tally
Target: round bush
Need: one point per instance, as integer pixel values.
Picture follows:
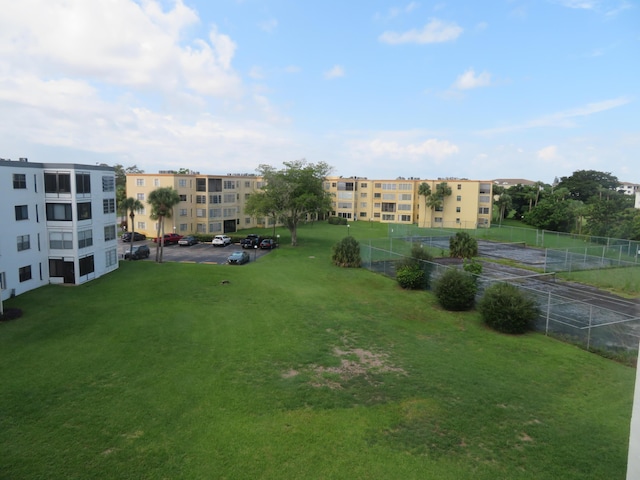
(411, 277)
(346, 253)
(456, 290)
(507, 309)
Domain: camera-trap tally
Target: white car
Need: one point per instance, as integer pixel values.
(221, 241)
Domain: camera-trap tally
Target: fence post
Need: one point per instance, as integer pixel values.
(589, 333)
(546, 328)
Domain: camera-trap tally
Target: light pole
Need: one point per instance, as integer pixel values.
(348, 229)
(255, 252)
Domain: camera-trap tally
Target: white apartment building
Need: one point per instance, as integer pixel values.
(58, 224)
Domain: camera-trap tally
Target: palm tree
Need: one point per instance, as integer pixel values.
(531, 195)
(443, 190)
(162, 201)
(424, 190)
(463, 245)
(131, 205)
(504, 203)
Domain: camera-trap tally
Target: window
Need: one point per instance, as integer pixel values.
(60, 212)
(377, 185)
(388, 196)
(377, 195)
(183, 227)
(182, 212)
(109, 233)
(406, 197)
(84, 211)
(85, 238)
(215, 185)
(25, 273)
(457, 209)
(376, 215)
(3, 281)
(363, 185)
(404, 206)
(459, 186)
(57, 183)
(109, 205)
(19, 180)
(457, 220)
(201, 228)
(60, 240)
(83, 183)
(483, 198)
(201, 199)
(201, 212)
(348, 205)
(229, 197)
(363, 195)
(388, 207)
(485, 188)
(458, 198)
(140, 196)
(142, 226)
(182, 183)
(247, 220)
(348, 186)
(139, 182)
(23, 242)
(22, 212)
(483, 211)
(215, 227)
(229, 184)
(439, 208)
(438, 220)
(111, 257)
(156, 182)
(363, 204)
(201, 184)
(215, 198)
(247, 184)
(363, 214)
(388, 217)
(389, 186)
(229, 212)
(405, 218)
(405, 186)
(376, 205)
(108, 184)
(183, 198)
(86, 265)
(215, 212)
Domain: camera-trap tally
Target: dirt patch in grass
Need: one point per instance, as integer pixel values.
(354, 363)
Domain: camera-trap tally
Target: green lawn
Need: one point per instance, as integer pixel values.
(294, 369)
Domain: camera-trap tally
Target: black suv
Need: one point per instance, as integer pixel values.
(126, 237)
(139, 251)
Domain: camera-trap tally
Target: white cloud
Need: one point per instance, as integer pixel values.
(335, 72)
(292, 69)
(436, 31)
(548, 154)
(393, 12)
(405, 146)
(564, 118)
(469, 80)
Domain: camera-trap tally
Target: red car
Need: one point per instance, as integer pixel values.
(169, 238)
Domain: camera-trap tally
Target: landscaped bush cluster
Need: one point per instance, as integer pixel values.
(506, 309)
(346, 253)
(337, 221)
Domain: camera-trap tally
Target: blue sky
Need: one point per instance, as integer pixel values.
(533, 89)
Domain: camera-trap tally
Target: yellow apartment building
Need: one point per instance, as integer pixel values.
(213, 204)
(397, 201)
(209, 204)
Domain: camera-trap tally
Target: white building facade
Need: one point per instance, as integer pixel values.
(59, 224)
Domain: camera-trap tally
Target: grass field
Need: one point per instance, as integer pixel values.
(294, 369)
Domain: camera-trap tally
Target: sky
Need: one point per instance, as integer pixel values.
(531, 89)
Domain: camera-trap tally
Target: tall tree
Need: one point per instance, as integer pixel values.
(131, 206)
(504, 204)
(585, 184)
(291, 194)
(443, 190)
(162, 201)
(424, 191)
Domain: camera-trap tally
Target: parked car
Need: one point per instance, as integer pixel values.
(238, 258)
(169, 238)
(126, 237)
(221, 241)
(136, 252)
(252, 240)
(187, 241)
(268, 244)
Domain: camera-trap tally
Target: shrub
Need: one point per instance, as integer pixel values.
(10, 314)
(463, 245)
(414, 272)
(507, 309)
(473, 267)
(337, 221)
(456, 290)
(346, 253)
(411, 277)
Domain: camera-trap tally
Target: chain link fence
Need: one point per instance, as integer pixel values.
(583, 322)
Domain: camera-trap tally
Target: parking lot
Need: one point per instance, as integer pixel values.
(199, 253)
